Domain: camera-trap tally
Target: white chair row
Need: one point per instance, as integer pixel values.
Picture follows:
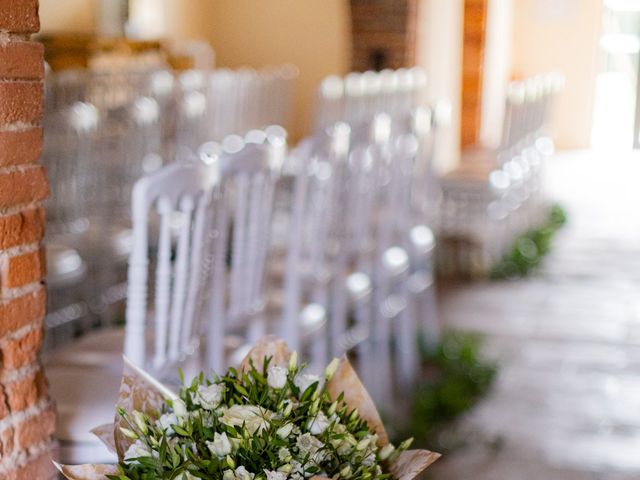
(357, 97)
(103, 132)
(361, 251)
(496, 195)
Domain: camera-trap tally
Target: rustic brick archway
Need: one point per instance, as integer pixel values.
(27, 417)
(383, 34)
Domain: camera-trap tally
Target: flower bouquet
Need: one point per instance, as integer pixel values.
(267, 420)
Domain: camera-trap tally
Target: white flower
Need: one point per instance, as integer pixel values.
(298, 469)
(318, 424)
(220, 447)
(386, 451)
(228, 475)
(188, 476)
(273, 475)
(165, 422)
(136, 450)
(331, 368)
(179, 407)
(304, 381)
(346, 471)
(254, 418)
(369, 460)
(307, 443)
(293, 361)
(208, 396)
(284, 455)
(344, 448)
(285, 430)
(277, 377)
(243, 474)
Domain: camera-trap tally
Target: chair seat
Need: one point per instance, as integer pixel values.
(100, 350)
(475, 165)
(85, 398)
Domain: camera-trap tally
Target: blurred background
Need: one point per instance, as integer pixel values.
(534, 366)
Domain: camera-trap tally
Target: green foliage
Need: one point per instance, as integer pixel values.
(266, 423)
(454, 379)
(530, 248)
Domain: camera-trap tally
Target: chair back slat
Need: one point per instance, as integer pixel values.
(198, 271)
(163, 284)
(181, 276)
(244, 201)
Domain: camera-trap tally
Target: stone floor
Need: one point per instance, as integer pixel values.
(566, 404)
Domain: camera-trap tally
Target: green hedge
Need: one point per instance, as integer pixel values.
(529, 249)
(454, 378)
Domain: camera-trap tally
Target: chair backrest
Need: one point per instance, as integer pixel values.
(180, 194)
(70, 139)
(314, 208)
(358, 97)
(191, 112)
(239, 239)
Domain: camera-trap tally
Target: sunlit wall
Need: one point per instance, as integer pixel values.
(561, 35)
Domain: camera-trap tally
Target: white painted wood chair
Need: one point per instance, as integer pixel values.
(309, 271)
(181, 195)
(358, 97)
(191, 113)
(239, 237)
(159, 334)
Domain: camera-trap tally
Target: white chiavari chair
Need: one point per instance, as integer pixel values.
(191, 113)
(506, 181)
(239, 236)
(309, 271)
(165, 308)
(330, 102)
(180, 194)
(162, 87)
(70, 126)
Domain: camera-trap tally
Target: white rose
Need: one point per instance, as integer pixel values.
(273, 475)
(220, 447)
(304, 381)
(254, 418)
(165, 422)
(208, 397)
(318, 424)
(136, 450)
(277, 377)
(243, 474)
(228, 475)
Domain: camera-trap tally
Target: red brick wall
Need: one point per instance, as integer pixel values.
(475, 18)
(383, 29)
(27, 415)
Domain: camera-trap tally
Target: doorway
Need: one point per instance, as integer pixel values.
(616, 120)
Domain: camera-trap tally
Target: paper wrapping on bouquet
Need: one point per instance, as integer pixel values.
(139, 391)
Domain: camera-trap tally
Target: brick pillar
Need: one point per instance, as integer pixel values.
(475, 20)
(383, 34)
(27, 415)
